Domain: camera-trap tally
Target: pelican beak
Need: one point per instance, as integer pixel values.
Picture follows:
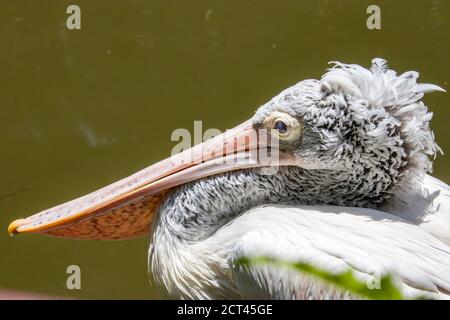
(126, 208)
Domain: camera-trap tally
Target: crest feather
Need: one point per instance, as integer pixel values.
(399, 95)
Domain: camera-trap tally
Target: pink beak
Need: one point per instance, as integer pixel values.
(126, 208)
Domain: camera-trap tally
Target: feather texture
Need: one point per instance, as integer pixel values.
(369, 242)
(366, 143)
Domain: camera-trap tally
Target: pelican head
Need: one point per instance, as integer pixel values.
(349, 139)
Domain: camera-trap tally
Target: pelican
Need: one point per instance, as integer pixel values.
(349, 190)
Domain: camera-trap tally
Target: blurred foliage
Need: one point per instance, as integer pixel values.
(346, 280)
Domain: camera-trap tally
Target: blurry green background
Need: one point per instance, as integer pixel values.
(81, 109)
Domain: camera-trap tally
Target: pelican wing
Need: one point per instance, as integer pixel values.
(428, 206)
(369, 242)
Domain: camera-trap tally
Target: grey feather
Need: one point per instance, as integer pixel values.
(366, 138)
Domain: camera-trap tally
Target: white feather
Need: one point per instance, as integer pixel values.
(426, 205)
(335, 239)
(369, 242)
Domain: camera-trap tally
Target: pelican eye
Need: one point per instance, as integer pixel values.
(285, 126)
(280, 126)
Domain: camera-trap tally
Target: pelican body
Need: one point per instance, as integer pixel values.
(348, 189)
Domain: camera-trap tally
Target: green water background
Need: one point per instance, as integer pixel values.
(81, 109)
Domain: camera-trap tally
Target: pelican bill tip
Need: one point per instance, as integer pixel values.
(14, 226)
